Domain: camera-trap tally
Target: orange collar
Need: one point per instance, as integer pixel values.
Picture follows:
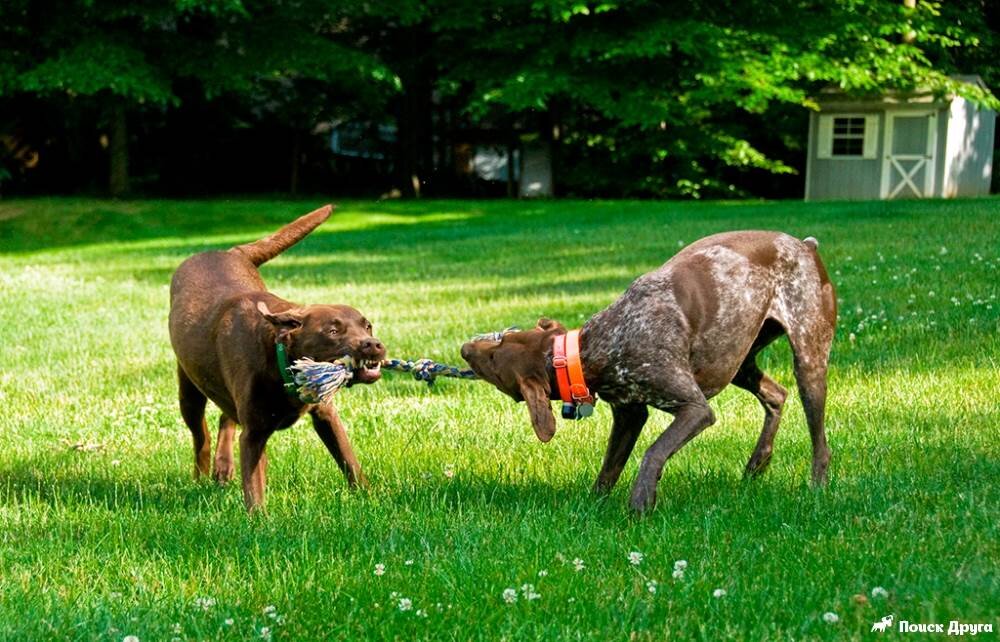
(578, 401)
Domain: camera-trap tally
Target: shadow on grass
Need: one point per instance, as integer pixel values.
(28, 225)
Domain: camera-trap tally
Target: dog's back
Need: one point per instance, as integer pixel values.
(205, 284)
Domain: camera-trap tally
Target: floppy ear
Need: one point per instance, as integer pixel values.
(282, 321)
(536, 395)
(549, 324)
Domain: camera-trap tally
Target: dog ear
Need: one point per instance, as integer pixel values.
(536, 395)
(282, 321)
(549, 324)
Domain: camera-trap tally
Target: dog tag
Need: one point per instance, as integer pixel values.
(569, 411)
(584, 410)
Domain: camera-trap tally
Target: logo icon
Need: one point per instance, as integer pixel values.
(883, 624)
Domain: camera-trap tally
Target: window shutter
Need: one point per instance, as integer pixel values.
(824, 136)
(871, 136)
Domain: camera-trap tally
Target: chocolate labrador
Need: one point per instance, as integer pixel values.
(675, 339)
(225, 328)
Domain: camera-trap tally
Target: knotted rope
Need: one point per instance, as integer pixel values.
(427, 370)
(318, 381)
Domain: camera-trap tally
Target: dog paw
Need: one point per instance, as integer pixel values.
(224, 470)
(643, 497)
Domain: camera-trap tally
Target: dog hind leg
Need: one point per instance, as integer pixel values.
(225, 466)
(769, 393)
(192, 403)
(812, 353)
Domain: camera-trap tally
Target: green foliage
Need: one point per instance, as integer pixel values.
(678, 96)
(685, 78)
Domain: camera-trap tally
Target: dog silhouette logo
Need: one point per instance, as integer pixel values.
(882, 625)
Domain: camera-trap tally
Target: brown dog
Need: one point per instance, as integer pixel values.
(225, 326)
(676, 338)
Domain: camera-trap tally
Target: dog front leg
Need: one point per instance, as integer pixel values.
(689, 420)
(628, 422)
(253, 465)
(327, 424)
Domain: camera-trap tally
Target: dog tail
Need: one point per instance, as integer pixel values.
(262, 251)
(811, 242)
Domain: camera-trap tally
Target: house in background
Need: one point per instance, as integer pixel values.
(899, 146)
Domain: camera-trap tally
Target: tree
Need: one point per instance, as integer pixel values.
(279, 59)
(669, 93)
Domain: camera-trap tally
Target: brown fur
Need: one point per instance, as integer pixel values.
(224, 325)
(676, 338)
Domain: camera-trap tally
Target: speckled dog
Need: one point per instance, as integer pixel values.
(675, 339)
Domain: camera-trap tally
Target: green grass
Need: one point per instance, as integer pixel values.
(118, 540)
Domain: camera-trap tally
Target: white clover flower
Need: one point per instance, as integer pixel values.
(509, 595)
(878, 591)
(265, 632)
(130, 638)
(577, 564)
(831, 618)
(678, 574)
(532, 596)
(680, 565)
(405, 604)
(542, 573)
(269, 609)
(449, 471)
(717, 593)
(651, 586)
(408, 562)
(379, 569)
(204, 603)
(635, 558)
(229, 621)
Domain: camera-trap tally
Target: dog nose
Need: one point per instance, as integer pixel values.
(466, 350)
(372, 346)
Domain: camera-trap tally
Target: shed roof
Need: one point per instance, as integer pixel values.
(918, 97)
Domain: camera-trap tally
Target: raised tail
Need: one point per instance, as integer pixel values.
(262, 251)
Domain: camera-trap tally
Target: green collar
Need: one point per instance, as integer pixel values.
(290, 386)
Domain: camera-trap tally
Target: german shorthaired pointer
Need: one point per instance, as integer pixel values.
(676, 338)
(226, 327)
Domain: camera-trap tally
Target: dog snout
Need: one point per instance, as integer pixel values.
(373, 347)
(466, 350)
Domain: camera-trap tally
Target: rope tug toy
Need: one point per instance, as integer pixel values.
(318, 381)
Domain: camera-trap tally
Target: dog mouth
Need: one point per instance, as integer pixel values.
(364, 370)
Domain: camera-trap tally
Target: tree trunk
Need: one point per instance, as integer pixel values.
(293, 186)
(118, 147)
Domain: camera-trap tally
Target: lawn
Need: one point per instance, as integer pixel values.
(104, 534)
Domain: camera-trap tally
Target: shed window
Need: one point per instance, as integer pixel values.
(846, 136)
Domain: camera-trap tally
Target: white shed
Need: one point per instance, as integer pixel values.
(899, 146)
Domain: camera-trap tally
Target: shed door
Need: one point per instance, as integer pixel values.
(908, 167)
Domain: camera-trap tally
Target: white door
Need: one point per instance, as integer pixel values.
(908, 157)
